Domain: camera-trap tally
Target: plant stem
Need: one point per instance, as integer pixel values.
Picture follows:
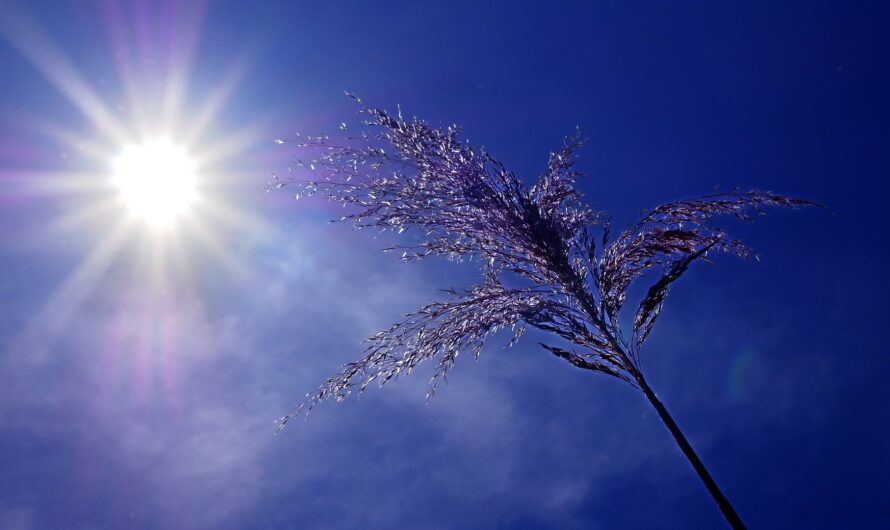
(722, 502)
(587, 303)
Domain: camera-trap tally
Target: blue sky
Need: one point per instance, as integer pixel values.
(140, 372)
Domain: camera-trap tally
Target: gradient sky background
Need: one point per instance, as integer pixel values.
(140, 373)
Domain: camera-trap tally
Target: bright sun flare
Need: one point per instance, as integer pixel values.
(156, 180)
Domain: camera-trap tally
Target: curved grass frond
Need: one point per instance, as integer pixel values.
(402, 174)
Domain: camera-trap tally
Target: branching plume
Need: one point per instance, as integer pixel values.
(402, 174)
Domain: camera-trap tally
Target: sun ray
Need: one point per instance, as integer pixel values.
(212, 104)
(209, 241)
(44, 329)
(230, 217)
(115, 26)
(88, 147)
(231, 145)
(32, 41)
(95, 214)
(184, 32)
(18, 182)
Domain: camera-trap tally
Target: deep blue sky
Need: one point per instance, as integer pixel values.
(139, 381)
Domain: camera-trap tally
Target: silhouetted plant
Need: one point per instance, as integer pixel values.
(401, 174)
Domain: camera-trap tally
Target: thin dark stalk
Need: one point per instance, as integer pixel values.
(722, 502)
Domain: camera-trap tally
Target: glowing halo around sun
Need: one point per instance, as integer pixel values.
(149, 179)
(156, 180)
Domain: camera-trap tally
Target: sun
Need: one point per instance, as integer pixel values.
(156, 181)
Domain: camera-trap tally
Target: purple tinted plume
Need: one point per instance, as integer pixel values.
(400, 174)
